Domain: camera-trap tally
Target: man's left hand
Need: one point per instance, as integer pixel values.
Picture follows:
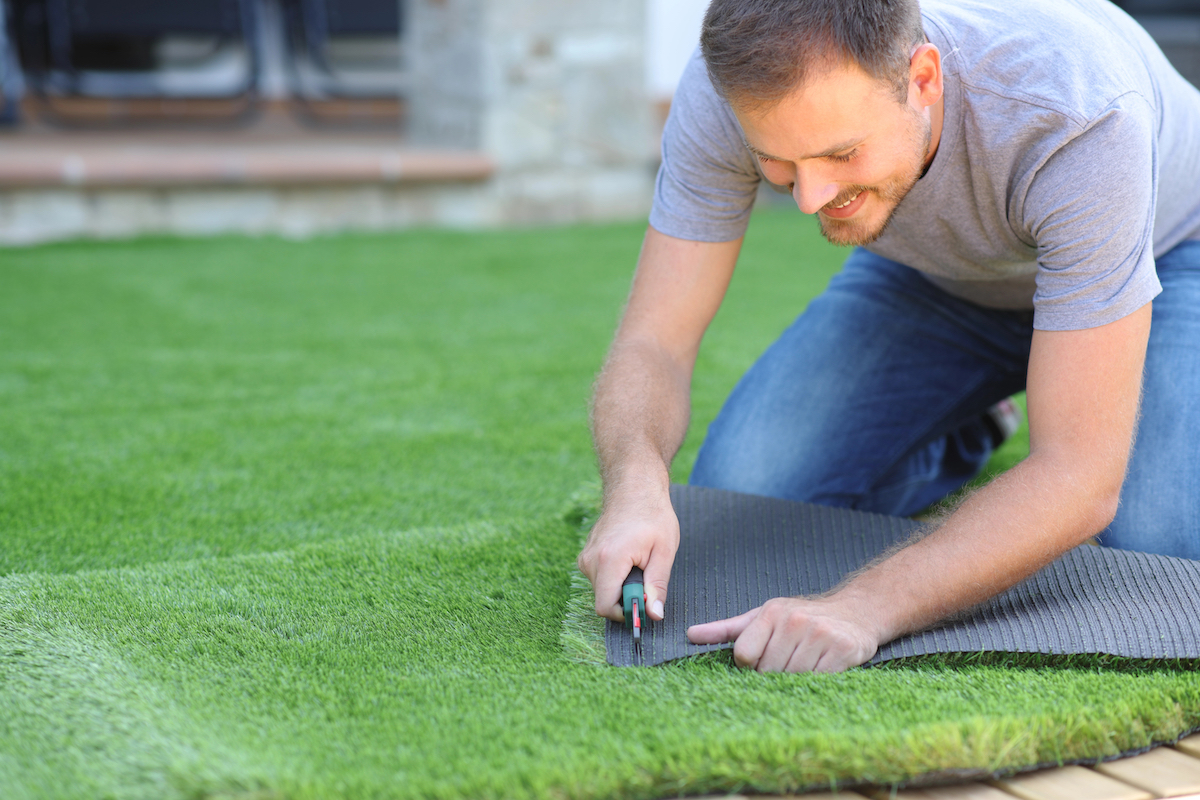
(793, 634)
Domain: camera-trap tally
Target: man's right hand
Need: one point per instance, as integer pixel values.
(640, 413)
(642, 535)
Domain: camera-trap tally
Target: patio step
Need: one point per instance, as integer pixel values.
(128, 161)
(1165, 772)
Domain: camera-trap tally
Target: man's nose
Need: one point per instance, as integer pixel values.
(812, 190)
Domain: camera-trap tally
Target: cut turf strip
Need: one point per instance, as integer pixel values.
(737, 551)
(428, 664)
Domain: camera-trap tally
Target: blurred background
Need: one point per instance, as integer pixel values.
(120, 117)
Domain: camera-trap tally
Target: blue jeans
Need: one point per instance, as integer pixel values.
(875, 398)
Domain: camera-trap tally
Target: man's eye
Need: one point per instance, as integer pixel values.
(764, 159)
(844, 157)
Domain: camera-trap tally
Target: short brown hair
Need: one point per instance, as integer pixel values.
(757, 51)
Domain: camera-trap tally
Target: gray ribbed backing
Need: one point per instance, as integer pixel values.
(737, 551)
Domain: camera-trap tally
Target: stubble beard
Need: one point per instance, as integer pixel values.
(855, 232)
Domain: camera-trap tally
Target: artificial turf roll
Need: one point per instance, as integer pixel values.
(738, 551)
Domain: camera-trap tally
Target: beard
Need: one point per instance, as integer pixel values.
(857, 232)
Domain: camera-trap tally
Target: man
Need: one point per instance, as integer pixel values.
(1020, 179)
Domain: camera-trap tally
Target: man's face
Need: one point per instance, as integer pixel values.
(847, 148)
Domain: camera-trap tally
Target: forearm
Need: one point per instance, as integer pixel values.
(641, 404)
(1000, 535)
(639, 417)
(1083, 391)
(640, 412)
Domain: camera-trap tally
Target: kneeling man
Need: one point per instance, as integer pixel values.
(1019, 181)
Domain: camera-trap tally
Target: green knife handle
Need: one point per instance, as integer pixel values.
(634, 588)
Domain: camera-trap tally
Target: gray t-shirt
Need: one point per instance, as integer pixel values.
(1069, 159)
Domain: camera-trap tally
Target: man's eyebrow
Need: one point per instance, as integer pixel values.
(837, 148)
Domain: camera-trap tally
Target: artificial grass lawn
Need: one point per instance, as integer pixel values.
(287, 520)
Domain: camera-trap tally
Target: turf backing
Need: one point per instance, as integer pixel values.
(738, 551)
(283, 520)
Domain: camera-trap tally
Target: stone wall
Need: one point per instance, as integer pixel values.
(552, 91)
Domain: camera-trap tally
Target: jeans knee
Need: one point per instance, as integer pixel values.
(761, 466)
(724, 462)
(1159, 521)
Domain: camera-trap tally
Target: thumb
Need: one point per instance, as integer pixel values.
(657, 575)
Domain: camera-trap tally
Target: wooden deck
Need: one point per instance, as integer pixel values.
(1165, 772)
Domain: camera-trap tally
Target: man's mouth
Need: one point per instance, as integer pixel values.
(847, 207)
(848, 202)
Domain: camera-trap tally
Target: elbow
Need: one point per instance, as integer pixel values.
(1099, 501)
(1102, 510)
(1088, 498)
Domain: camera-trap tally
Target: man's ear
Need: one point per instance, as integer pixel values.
(925, 76)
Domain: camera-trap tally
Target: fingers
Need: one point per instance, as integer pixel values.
(658, 574)
(621, 541)
(722, 630)
(804, 659)
(789, 634)
(759, 640)
(845, 653)
(607, 583)
(832, 662)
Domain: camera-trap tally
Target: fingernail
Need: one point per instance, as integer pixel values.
(657, 608)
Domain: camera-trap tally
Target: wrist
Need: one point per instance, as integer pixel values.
(641, 486)
(867, 609)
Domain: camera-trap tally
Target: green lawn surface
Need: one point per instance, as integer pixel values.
(288, 520)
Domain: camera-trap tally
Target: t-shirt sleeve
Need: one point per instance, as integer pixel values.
(707, 181)
(1090, 209)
